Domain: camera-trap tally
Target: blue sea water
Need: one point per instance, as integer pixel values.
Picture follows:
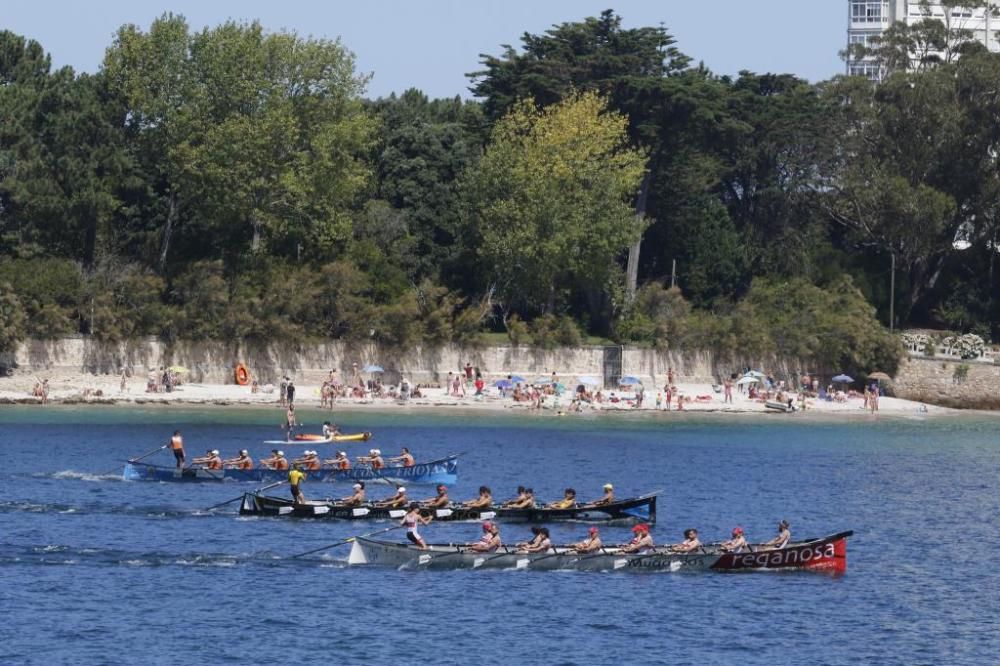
(94, 570)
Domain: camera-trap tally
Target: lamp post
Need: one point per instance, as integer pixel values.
(892, 292)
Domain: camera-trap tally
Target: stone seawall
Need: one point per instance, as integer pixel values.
(941, 382)
(214, 362)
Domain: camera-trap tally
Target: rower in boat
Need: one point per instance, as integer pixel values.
(177, 447)
(295, 479)
(484, 501)
(690, 543)
(525, 501)
(397, 501)
(567, 502)
(535, 536)
(542, 543)
(413, 518)
(490, 541)
(405, 458)
(736, 544)
(309, 461)
(784, 536)
(330, 430)
(276, 461)
(440, 500)
(373, 459)
(210, 460)
(641, 543)
(242, 461)
(357, 498)
(591, 544)
(516, 500)
(607, 498)
(341, 461)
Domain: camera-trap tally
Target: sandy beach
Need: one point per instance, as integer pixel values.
(98, 390)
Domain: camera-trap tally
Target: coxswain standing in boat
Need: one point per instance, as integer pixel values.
(591, 544)
(737, 543)
(242, 461)
(542, 543)
(340, 462)
(689, 544)
(405, 458)
(607, 498)
(784, 536)
(484, 501)
(641, 543)
(177, 446)
(357, 498)
(210, 460)
(440, 500)
(295, 479)
(567, 502)
(490, 541)
(413, 518)
(276, 461)
(397, 501)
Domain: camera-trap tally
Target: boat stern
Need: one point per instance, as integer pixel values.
(357, 555)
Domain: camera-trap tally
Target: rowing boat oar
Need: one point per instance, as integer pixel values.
(132, 460)
(345, 541)
(241, 496)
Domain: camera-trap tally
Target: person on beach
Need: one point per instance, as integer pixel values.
(397, 501)
(440, 500)
(411, 520)
(290, 393)
(607, 498)
(784, 536)
(177, 447)
(567, 502)
(490, 541)
(641, 543)
(727, 391)
(357, 498)
(737, 543)
(667, 396)
(690, 542)
(484, 501)
(405, 458)
(290, 422)
(242, 461)
(295, 479)
(283, 392)
(591, 544)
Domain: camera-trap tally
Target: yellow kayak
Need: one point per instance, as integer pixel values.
(319, 439)
(355, 437)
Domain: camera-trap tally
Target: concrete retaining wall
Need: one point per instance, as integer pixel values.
(934, 381)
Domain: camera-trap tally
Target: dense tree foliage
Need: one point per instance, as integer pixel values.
(233, 183)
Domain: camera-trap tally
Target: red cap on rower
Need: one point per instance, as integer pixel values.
(737, 530)
(641, 527)
(487, 526)
(593, 530)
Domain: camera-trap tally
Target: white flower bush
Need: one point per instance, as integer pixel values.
(965, 346)
(916, 342)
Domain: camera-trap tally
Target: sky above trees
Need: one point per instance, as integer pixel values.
(432, 44)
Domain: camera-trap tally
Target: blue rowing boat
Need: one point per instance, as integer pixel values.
(443, 471)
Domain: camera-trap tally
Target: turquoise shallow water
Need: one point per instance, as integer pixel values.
(96, 570)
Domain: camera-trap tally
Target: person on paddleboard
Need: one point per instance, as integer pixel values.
(484, 501)
(736, 544)
(440, 500)
(591, 544)
(689, 544)
(242, 461)
(397, 501)
(177, 447)
(357, 498)
(295, 479)
(784, 536)
(641, 543)
(411, 520)
(290, 422)
(490, 541)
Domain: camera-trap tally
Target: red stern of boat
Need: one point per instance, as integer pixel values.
(825, 555)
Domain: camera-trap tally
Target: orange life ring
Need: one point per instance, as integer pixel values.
(242, 374)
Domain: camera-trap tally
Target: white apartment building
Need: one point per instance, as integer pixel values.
(870, 18)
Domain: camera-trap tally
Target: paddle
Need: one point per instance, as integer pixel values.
(132, 460)
(241, 496)
(345, 541)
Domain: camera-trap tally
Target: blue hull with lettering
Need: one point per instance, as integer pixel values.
(443, 471)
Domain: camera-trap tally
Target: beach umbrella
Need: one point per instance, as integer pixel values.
(179, 369)
(755, 373)
(517, 379)
(373, 368)
(589, 381)
(880, 376)
(504, 384)
(630, 380)
(747, 380)
(843, 379)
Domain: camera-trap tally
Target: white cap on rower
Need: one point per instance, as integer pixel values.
(215, 452)
(243, 452)
(378, 452)
(341, 453)
(281, 453)
(608, 486)
(401, 489)
(357, 486)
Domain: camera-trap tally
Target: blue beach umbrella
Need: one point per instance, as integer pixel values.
(373, 368)
(843, 379)
(504, 384)
(517, 379)
(630, 380)
(589, 381)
